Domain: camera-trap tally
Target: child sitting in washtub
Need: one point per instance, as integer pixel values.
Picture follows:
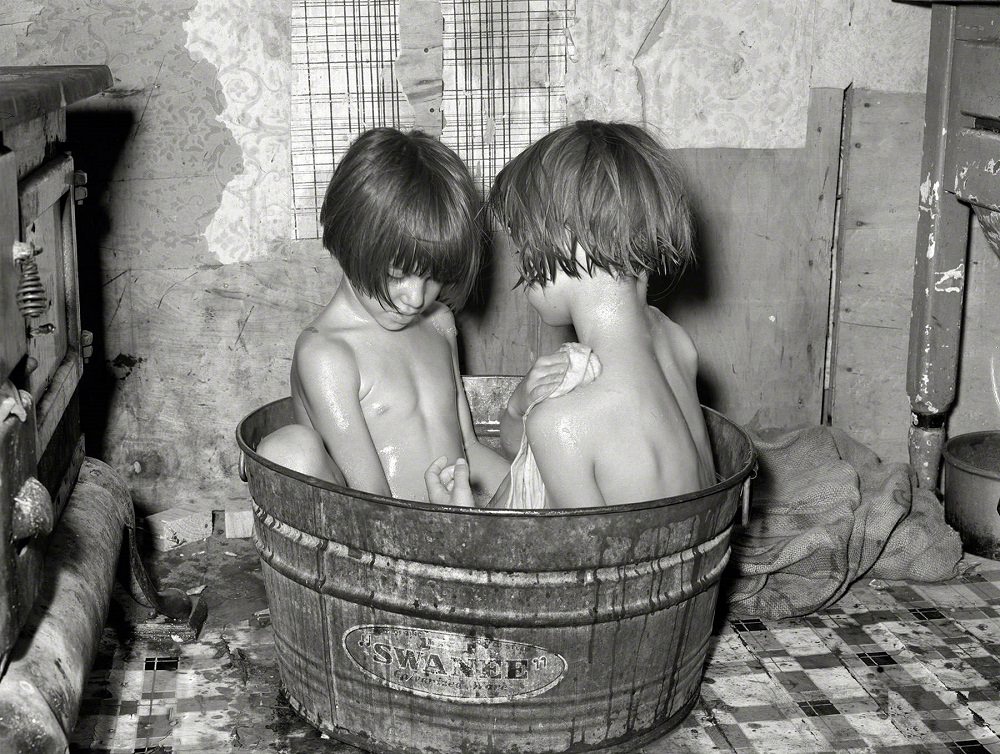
(375, 383)
(593, 209)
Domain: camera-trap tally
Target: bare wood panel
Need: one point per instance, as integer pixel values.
(191, 350)
(976, 21)
(977, 171)
(977, 93)
(12, 341)
(878, 233)
(501, 333)
(878, 222)
(41, 195)
(977, 405)
(756, 305)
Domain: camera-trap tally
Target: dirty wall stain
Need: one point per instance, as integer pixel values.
(248, 42)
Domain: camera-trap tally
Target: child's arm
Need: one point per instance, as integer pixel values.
(543, 377)
(487, 469)
(560, 447)
(449, 484)
(329, 387)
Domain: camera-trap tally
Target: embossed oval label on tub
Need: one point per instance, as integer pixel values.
(454, 667)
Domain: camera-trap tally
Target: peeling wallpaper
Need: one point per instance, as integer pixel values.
(702, 73)
(737, 73)
(419, 64)
(870, 44)
(248, 43)
(602, 81)
(728, 73)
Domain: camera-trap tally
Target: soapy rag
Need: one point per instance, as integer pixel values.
(527, 492)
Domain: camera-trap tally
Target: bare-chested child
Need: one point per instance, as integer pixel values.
(593, 209)
(375, 383)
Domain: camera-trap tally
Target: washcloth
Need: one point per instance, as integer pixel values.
(527, 492)
(826, 511)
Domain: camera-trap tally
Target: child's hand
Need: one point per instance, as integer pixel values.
(543, 377)
(449, 485)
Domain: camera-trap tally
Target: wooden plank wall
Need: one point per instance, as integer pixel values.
(501, 334)
(231, 330)
(883, 141)
(883, 135)
(757, 304)
(978, 404)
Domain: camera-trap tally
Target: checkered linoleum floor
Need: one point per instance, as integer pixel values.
(892, 667)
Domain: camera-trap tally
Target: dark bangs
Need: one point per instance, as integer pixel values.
(609, 187)
(404, 201)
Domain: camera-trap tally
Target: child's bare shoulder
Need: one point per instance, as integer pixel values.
(568, 421)
(323, 353)
(443, 320)
(669, 333)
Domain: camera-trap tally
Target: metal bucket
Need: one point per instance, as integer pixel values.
(972, 491)
(407, 627)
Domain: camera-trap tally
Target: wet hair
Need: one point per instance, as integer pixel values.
(608, 187)
(405, 201)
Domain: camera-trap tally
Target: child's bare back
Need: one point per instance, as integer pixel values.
(635, 433)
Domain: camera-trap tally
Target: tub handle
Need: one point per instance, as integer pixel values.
(745, 497)
(243, 466)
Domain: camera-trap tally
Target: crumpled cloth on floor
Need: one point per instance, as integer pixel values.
(825, 512)
(527, 491)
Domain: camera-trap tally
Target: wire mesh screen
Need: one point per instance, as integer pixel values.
(504, 69)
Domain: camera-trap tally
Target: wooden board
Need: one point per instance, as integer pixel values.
(12, 335)
(756, 305)
(977, 406)
(189, 351)
(500, 332)
(878, 234)
(878, 223)
(28, 92)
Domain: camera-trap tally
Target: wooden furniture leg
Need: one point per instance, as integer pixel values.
(939, 269)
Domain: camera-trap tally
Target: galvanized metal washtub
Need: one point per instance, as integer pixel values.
(407, 627)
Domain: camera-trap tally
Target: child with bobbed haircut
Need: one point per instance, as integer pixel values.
(593, 209)
(375, 384)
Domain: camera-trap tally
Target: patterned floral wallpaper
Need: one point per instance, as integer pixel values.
(247, 41)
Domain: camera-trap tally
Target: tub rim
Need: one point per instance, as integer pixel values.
(960, 463)
(725, 484)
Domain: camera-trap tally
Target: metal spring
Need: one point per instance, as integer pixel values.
(31, 298)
